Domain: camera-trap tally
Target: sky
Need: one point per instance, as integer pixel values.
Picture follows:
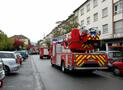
(34, 18)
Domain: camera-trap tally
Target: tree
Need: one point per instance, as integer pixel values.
(38, 43)
(71, 23)
(18, 44)
(5, 42)
(47, 41)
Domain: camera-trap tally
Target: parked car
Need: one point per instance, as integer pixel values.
(2, 73)
(23, 53)
(19, 58)
(117, 67)
(113, 56)
(10, 61)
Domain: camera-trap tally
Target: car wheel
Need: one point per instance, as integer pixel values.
(1, 83)
(7, 71)
(116, 71)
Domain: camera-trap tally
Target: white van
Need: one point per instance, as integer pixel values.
(9, 61)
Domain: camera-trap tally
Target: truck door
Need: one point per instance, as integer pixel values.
(58, 54)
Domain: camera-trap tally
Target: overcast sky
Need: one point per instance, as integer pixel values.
(34, 18)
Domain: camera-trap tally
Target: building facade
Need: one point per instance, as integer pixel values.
(21, 38)
(104, 15)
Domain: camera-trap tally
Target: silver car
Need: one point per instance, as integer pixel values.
(9, 61)
(2, 73)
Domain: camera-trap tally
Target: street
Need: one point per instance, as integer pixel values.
(36, 74)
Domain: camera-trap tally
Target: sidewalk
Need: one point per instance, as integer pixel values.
(22, 79)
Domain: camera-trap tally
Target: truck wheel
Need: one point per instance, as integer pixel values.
(52, 63)
(7, 71)
(116, 71)
(1, 83)
(63, 67)
(41, 57)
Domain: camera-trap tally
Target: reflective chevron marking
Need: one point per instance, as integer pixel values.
(99, 63)
(81, 59)
(102, 58)
(93, 56)
(78, 58)
(83, 45)
(97, 37)
(82, 63)
(88, 56)
(86, 46)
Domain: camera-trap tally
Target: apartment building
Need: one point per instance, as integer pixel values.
(104, 15)
(22, 38)
(118, 18)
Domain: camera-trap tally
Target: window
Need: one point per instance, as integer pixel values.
(118, 26)
(82, 23)
(82, 11)
(105, 28)
(103, 0)
(88, 20)
(95, 17)
(7, 55)
(96, 28)
(105, 12)
(95, 3)
(118, 7)
(88, 7)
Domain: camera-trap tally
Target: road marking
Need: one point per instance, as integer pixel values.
(107, 75)
(39, 83)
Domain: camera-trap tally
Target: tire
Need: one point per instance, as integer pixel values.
(1, 83)
(52, 64)
(7, 70)
(63, 67)
(41, 57)
(116, 71)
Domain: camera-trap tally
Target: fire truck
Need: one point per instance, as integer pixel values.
(44, 52)
(77, 51)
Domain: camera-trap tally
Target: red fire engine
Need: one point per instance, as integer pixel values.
(44, 52)
(76, 51)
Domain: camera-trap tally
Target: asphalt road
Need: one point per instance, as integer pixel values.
(36, 74)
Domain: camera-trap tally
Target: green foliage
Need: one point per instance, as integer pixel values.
(71, 24)
(67, 26)
(38, 43)
(56, 33)
(47, 41)
(5, 42)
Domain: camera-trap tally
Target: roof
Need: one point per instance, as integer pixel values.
(81, 6)
(19, 37)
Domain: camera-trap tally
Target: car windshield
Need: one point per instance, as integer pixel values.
(115, 54)
(6, 55)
